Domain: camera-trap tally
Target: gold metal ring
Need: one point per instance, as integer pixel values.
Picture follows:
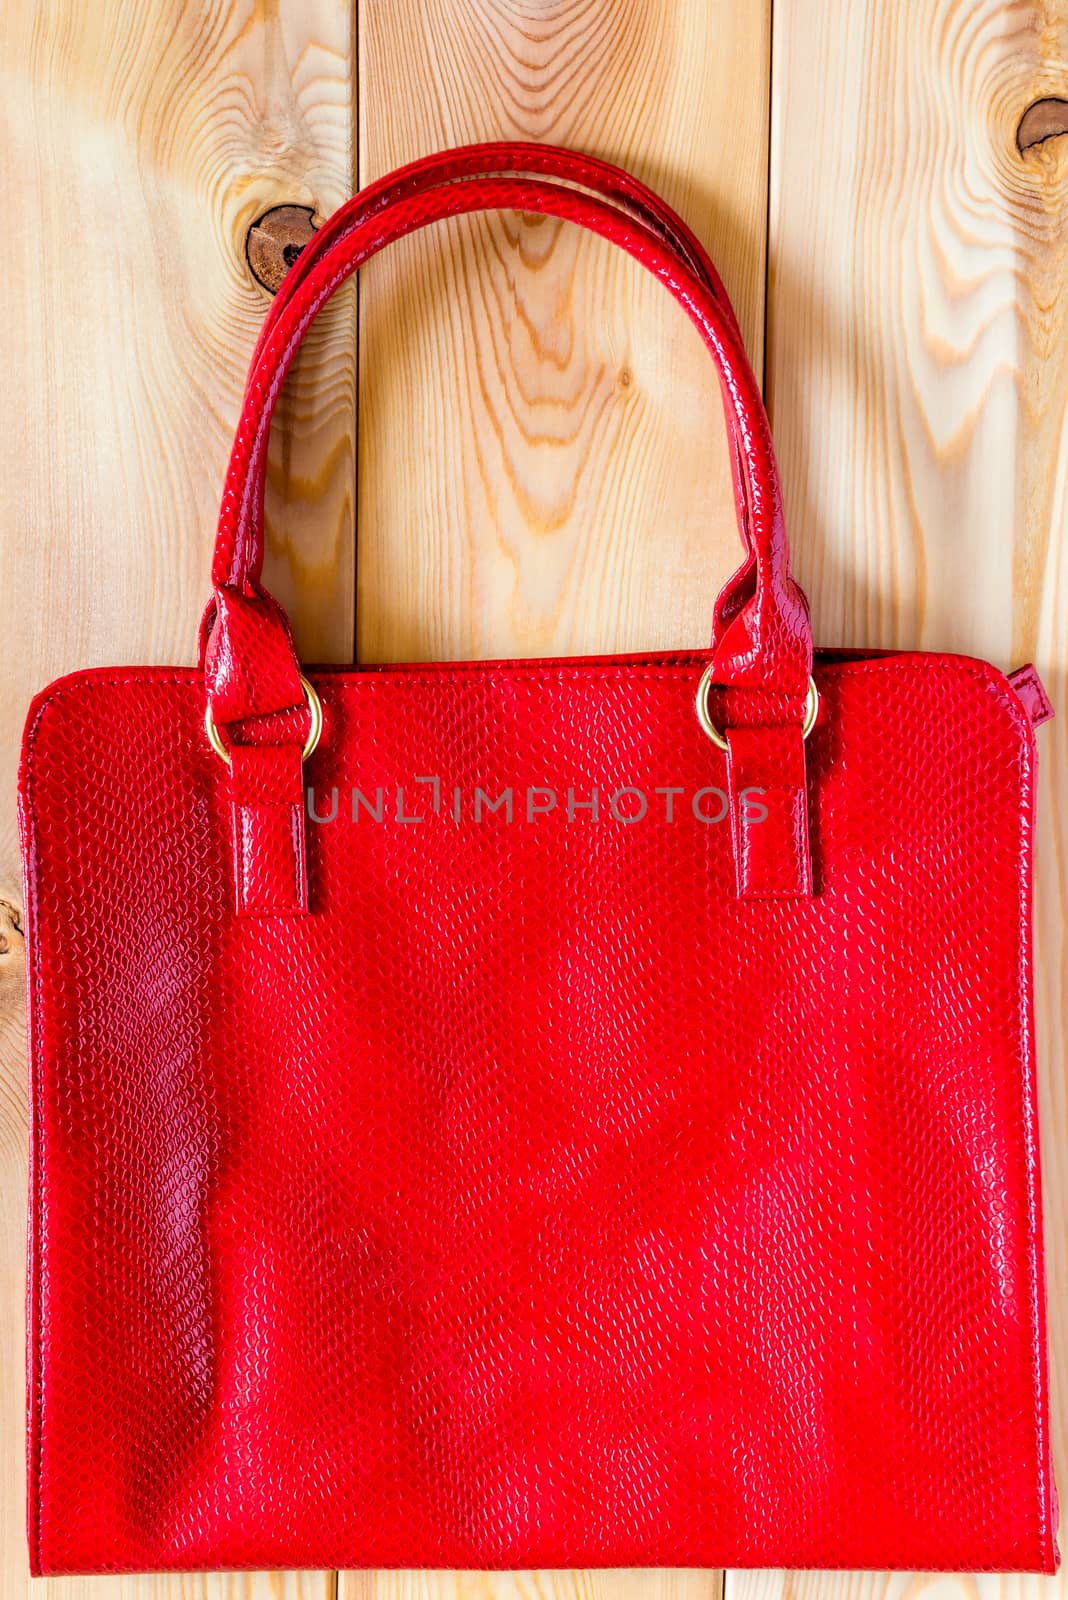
(812, 709)
(315, 708)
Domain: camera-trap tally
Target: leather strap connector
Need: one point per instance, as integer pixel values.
(1032, 694)
(269, 834)
(768, 798)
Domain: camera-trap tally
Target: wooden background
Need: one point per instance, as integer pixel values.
(542, 465)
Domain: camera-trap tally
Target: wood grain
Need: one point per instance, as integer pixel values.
(140, 141)
(542, 457)
(918, 385)
(669, 1583)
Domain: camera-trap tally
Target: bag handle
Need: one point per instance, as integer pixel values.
(777, 610)
(517, 158)
(762, 644)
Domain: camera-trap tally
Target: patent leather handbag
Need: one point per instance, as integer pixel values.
(555, 1113)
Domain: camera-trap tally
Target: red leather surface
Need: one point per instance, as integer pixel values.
(1031, 692)
(489, 1182)
(270, 854)
(535, 1200)
(772, 859)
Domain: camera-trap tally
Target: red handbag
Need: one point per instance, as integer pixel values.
(534, 1113)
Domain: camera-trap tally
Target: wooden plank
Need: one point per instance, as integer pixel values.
(140, 141)
(918, 381)
(667, 1583)
(542, 458)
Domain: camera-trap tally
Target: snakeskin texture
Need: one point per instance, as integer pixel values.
(536, 1201)
(525, 1195)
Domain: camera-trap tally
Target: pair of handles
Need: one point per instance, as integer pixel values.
(759, 667)
(761, 639)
